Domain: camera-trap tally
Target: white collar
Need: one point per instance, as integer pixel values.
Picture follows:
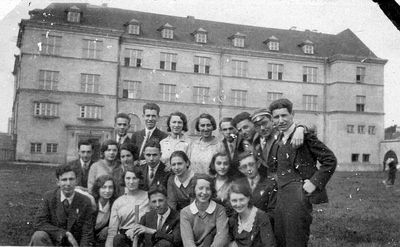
(209, 210)
(287, 132)
(165, 215)
(255, 180)
(248, 225)
(83, 162)
(149, 132)
(186, 182)
(155, 168)
(63, 197)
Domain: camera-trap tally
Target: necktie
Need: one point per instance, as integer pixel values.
(151, 173)
(231, 149)
(144, 142)
(159, 224)
(66, 205)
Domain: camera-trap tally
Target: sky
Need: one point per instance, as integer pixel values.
(363, 17)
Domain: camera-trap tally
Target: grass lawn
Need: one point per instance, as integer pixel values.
(361, 212)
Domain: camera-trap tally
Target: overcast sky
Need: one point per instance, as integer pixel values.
(363, 17)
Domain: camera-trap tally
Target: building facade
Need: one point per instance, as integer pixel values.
(80, 64)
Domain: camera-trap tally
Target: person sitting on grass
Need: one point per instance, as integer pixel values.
(66, 216)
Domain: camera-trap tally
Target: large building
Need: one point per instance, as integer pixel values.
(80, 64)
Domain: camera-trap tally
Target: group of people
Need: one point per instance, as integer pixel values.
(255, 187)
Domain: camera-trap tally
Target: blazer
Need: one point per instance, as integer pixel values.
(138, 138)
(161, 176)
(170, 231)
(263, 154)
(52, 218)
(81, 173)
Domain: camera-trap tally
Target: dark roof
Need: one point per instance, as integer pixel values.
(326, 45)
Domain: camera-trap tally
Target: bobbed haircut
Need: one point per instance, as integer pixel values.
(206, 177)
(211, 167)
(99, 182)
(151, 106)
(181, 154)
(240, 186)
(206, 116)
(281, 103)
(122, 115)
(104, 146)
(64, 168)
(181, 116)
(130, 148)
(134, 169)
(85, 143)
(158, 188)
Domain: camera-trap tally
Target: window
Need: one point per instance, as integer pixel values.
(133, 58)
(308, 49)
(48, 80)
(92, 49)
(51, 148)
(201, 94)
(350, 128)
(360, 74)
(238, 42)
(365, 157)
(239, 68)
(168, 61)
(132, 89)
(167, 92)
(50, 45)
(74, 16)
(201, 37)
(275, 71)
(354, 157)
(371, 130)
(90, 111)
(239, 97)
(310, 74)
(90, 83)
(360, 103)
(45, 109)
(271, 96)
(167, 33)
(36, 147)
(202, 65)
(273, 46)
(134, 29)
(310, 102)
(361, 129)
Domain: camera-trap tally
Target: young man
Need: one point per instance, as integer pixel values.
(300, 182)
(230, 138)
(82, 165)
(153, 170)
(66, 216)
(122, 123)
(151, 113)
(160, 226)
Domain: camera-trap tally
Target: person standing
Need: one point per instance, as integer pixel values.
(82, 165)
(121, 126)
(300, 182)
(391, 162)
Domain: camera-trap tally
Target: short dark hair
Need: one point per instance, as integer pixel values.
(207, 116)
(151, 106)
(134, 169)
(64, 168)
(104, 146)
(99, 182)
(181, 116)
(209, 179)
(240, 117)
(182, 154)
(128, 146)
(158, 188)
(211, 167)
(122, 115)
(281, 103)
(225, 119)
(85, 143)
(240, 186)
(153, 143)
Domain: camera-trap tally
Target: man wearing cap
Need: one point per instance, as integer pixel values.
(242, 122)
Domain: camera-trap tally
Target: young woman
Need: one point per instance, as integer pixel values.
(201, 151)
(180, 184)
(176, 140)
(127, 154)
(204, 222)
(107, 165)
(104, 193)
(123, 211)
(221, 170)
(249, 226)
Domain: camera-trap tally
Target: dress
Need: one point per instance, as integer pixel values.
(169, 145)
(200, 154)
(179, 194)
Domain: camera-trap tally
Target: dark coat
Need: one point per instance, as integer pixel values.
(138, 137)
(161, 176)
(52, 218)
(81, 173)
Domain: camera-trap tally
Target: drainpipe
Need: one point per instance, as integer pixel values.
(220, 85)
(324, 110)
(118, 75)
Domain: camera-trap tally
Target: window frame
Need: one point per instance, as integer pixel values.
(36, 148)
(74, 16)
(167, 33)
(90, 86)
(50, 44)
(167, 95)
(366, 158)
(310, 74)
(350, 128)
(201, 37)
(90, 112)
(308, 49)
(360, 103)
(239, 97)
(46, 109)
(361, 129)
(201, 65)
(133, 57)
(273, 45)
(355, 157)
(310, 102)
(92, 49)
(360, 74)
(46, 83)
(239, 68)
(201, 95)
(134, 29)
(275, 71)
(271, 96)
(51, 148)
(132, 88)
(168, 61)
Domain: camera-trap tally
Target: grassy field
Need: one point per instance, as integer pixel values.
(361, 212)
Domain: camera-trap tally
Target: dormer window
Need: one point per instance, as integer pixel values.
(272, 43)
(167, 31)
(200, 35)
(134, 27)
(74, 14)
(238, 39)
(307, 47)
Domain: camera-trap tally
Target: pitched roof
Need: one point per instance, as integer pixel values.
(326, 45)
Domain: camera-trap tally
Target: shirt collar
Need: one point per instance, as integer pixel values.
(209, 210)
(186, 182)
(287, 132)
(255, 180)
(106, 207)
(165, 215)
(63, 197)
(83, 162)
(149, 132)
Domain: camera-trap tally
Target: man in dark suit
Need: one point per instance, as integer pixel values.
(151, 115)
(66, 216)
(300, 182)
(122, 123)
(82, 165)
(229, 143)
(153, 170)
(160, 226)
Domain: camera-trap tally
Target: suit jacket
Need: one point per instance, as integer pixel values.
(170, 230)
(161, 176)
(53, 219)
(81, 173)
(262, 154)
(138, 138)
